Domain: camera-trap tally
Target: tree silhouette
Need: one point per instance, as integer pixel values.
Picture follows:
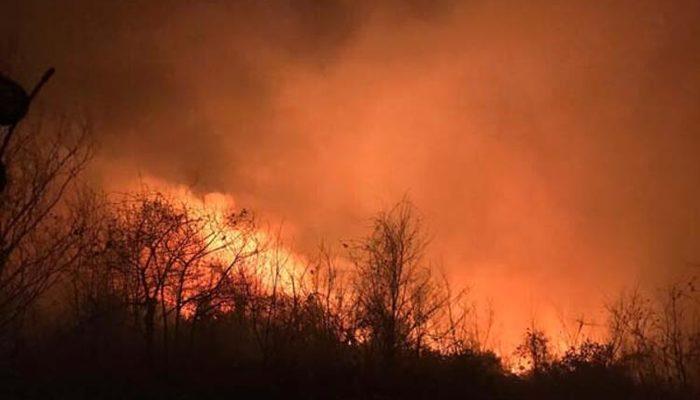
(39, 235)
(396, 293)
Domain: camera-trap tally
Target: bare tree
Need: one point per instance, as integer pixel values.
(677, 328)
(174, 259)
(39, 235)
(657, 339)
(216, 277)
(463, 327)
(631, 325)
(328, 292)
(396, 294)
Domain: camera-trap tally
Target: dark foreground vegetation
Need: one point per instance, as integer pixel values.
(141, 295)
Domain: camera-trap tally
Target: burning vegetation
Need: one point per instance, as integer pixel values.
(150, 294)
(160, 291)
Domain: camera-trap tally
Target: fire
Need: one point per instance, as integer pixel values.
(277, 267)
(244, 248)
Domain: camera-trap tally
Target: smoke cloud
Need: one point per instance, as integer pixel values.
(552, 148)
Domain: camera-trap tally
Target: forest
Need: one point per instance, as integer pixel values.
(142, 294)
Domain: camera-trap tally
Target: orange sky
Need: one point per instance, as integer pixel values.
(554, 150)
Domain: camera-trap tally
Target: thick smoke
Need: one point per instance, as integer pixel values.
(553, 149)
